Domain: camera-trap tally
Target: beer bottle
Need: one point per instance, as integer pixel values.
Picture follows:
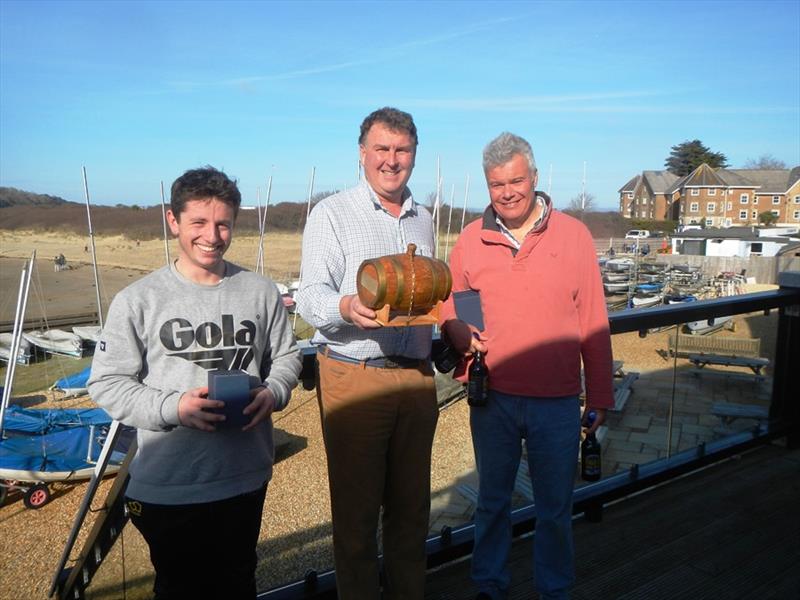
(478, 381)
(590, 454)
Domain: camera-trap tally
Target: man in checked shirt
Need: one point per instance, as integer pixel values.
(375, 384)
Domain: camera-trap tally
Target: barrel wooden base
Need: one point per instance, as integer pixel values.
(390, 318)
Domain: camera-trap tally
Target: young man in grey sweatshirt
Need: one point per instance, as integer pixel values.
(197, 486)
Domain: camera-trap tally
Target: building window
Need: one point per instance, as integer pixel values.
(796, 199)
(742, 215)
(776, 199)
(755, 200)
(743, 199)
(727, 222)
(712, 191)
(755, 214)
(796, 215)
(711, 207)
(694, 207)
(756, 248)
(629, 195)
(777, 213)
(709, 222)
(729, 205)
(695, 192)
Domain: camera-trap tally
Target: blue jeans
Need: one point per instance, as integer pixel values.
(551, 430)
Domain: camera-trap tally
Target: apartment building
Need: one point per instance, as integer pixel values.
(714, 197)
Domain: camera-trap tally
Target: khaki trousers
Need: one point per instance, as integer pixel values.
(378, 427)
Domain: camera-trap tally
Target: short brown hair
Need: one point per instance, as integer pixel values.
(394, 119)
(199, 184)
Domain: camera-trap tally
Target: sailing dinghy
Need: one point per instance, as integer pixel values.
(56, 341)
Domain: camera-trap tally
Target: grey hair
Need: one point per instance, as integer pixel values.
(503, 148)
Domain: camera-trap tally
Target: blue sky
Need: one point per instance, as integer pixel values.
(139, 92)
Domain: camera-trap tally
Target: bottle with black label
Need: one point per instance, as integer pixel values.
(478, 382)
(591, 466)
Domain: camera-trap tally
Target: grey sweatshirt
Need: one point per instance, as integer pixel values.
(162, 335)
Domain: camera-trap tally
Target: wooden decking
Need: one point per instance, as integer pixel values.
(729, 531)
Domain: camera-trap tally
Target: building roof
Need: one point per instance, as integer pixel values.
(769, 181)
(765, 181)
(704, 176)
(659, 182)
(734, 178)
(631, 185)
(678, 184)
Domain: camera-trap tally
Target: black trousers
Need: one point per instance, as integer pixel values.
(203, 550)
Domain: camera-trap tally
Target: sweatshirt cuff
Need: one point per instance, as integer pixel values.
(279, 392)
(169, 411)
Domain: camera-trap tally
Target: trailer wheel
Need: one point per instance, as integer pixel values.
(3, 494)
(37, 496)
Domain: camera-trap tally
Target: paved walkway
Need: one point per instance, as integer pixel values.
(639, 433)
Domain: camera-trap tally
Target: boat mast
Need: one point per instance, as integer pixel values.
(436, 208)
(449, 219)
(308, 212)
(583, 189)
(262, 226)
(164, 223)
(464, 210)
(94, 253)
(16, 336)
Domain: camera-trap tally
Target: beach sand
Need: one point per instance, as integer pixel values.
(295, 532)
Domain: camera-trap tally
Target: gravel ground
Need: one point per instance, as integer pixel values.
(295, 531)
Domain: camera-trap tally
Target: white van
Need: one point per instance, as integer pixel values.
(636, 234)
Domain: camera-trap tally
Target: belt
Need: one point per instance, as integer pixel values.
(388, 362)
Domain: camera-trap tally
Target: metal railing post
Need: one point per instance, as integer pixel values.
(786, 383)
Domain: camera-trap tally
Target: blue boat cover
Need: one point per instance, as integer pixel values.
(57, 452)
(43, 420)
(76, 380)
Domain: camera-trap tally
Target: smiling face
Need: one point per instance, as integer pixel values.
(388, 159)
(512, 188)
(204, 229)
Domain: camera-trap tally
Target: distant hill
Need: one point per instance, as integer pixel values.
(13, 197)
(20, 210)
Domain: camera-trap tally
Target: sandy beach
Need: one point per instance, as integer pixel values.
(295, 532)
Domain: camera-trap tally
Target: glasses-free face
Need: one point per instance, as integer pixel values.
(204, 230)
(512, 191)
(388, 159)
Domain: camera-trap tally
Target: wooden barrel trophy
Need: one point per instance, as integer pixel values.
(404, 289)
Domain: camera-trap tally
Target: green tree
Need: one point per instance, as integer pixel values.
(767, 218)
(687, 156)
(765, 161)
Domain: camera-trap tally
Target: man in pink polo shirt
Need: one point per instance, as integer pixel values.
(544, 312)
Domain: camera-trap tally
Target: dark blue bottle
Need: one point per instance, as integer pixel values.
(591, 465)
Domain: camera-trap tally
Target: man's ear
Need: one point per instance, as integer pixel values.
(172, 221)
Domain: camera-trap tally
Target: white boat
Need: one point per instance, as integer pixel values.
(619, 264)
(617, 286)
(643, 300)
(88, 333)
(615, 277)
(708, 325)
(24, 353)
(56, 341)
